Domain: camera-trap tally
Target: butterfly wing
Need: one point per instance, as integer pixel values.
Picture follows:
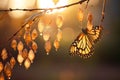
(95, 33)
(83, 45)
(73, 47)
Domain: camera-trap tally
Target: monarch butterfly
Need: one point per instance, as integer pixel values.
(83, 45)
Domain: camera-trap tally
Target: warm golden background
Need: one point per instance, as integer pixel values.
(103, 65)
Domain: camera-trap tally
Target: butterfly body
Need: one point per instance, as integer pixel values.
(83, 45)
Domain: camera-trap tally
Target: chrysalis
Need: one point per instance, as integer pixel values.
(34, 46)
(20, 46)
(2, 76)
(59, 21)
(90, 17)
(89, 23)
(40, 27)
(28, 26)
(46, 36)
(1, 67)
(59, 35)
(14, 44)
(80, 15)
(12, 62)
(20, 59)
(56, 44)
(4, 54)
(31, 55)
(47, 47)
(27, 63)
(25, 53)
(34, 34)
(8, 70)
(27, 37)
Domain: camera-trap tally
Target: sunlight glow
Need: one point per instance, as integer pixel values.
(20, 4)
(50, 4)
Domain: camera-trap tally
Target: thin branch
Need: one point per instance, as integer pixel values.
(35, 9)
(103, 10)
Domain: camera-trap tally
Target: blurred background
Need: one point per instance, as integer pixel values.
(103, 65)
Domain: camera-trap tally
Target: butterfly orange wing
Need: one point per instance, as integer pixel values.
(83, 45)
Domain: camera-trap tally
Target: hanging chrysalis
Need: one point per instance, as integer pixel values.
(56, 44)
(90, 17)
(59, 35)
(4, 54)
(40, 27)
(27, 63)
(2, 76)
(14, 44)
(1, 67)
(34, 34)
(80, 15)
(8, 70)
(31, 55)
(12, 62)
(27, 37)
(46, 36)
(34, 46)
(25, 53)
(89, 23)
(59, 21)
(20, 46)
(47, 46)
(20, 59)
(55, 1)
(28, 26)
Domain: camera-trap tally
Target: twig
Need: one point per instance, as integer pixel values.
(103, 11)
(35, 9)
